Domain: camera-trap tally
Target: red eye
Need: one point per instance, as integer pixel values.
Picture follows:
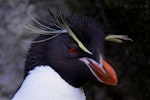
(73, 51)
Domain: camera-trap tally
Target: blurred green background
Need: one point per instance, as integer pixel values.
(131, 60)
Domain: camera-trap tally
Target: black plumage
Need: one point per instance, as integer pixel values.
(55, 52)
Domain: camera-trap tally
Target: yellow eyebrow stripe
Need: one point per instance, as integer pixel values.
(80, 44)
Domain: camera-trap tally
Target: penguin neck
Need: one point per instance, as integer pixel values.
(43, 83)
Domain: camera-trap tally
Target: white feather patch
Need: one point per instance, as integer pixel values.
(43, 83)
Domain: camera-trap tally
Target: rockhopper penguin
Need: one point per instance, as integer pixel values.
(63, 58)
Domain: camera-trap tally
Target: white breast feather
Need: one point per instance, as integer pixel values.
(43, 83)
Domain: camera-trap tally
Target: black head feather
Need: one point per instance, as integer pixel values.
(54, 52)
(88, 30)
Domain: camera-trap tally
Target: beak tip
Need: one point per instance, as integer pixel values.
(112, 82)
(115, 83)
(112, 79)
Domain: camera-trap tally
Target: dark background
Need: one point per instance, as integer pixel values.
(131, 60)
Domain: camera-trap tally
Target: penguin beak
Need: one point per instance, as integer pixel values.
(102, 71)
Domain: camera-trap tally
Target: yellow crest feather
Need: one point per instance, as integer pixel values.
(80, 44)
(117, 38)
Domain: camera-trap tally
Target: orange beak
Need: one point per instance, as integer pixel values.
(103, 72)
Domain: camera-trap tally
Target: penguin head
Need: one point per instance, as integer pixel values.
(65, 55)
